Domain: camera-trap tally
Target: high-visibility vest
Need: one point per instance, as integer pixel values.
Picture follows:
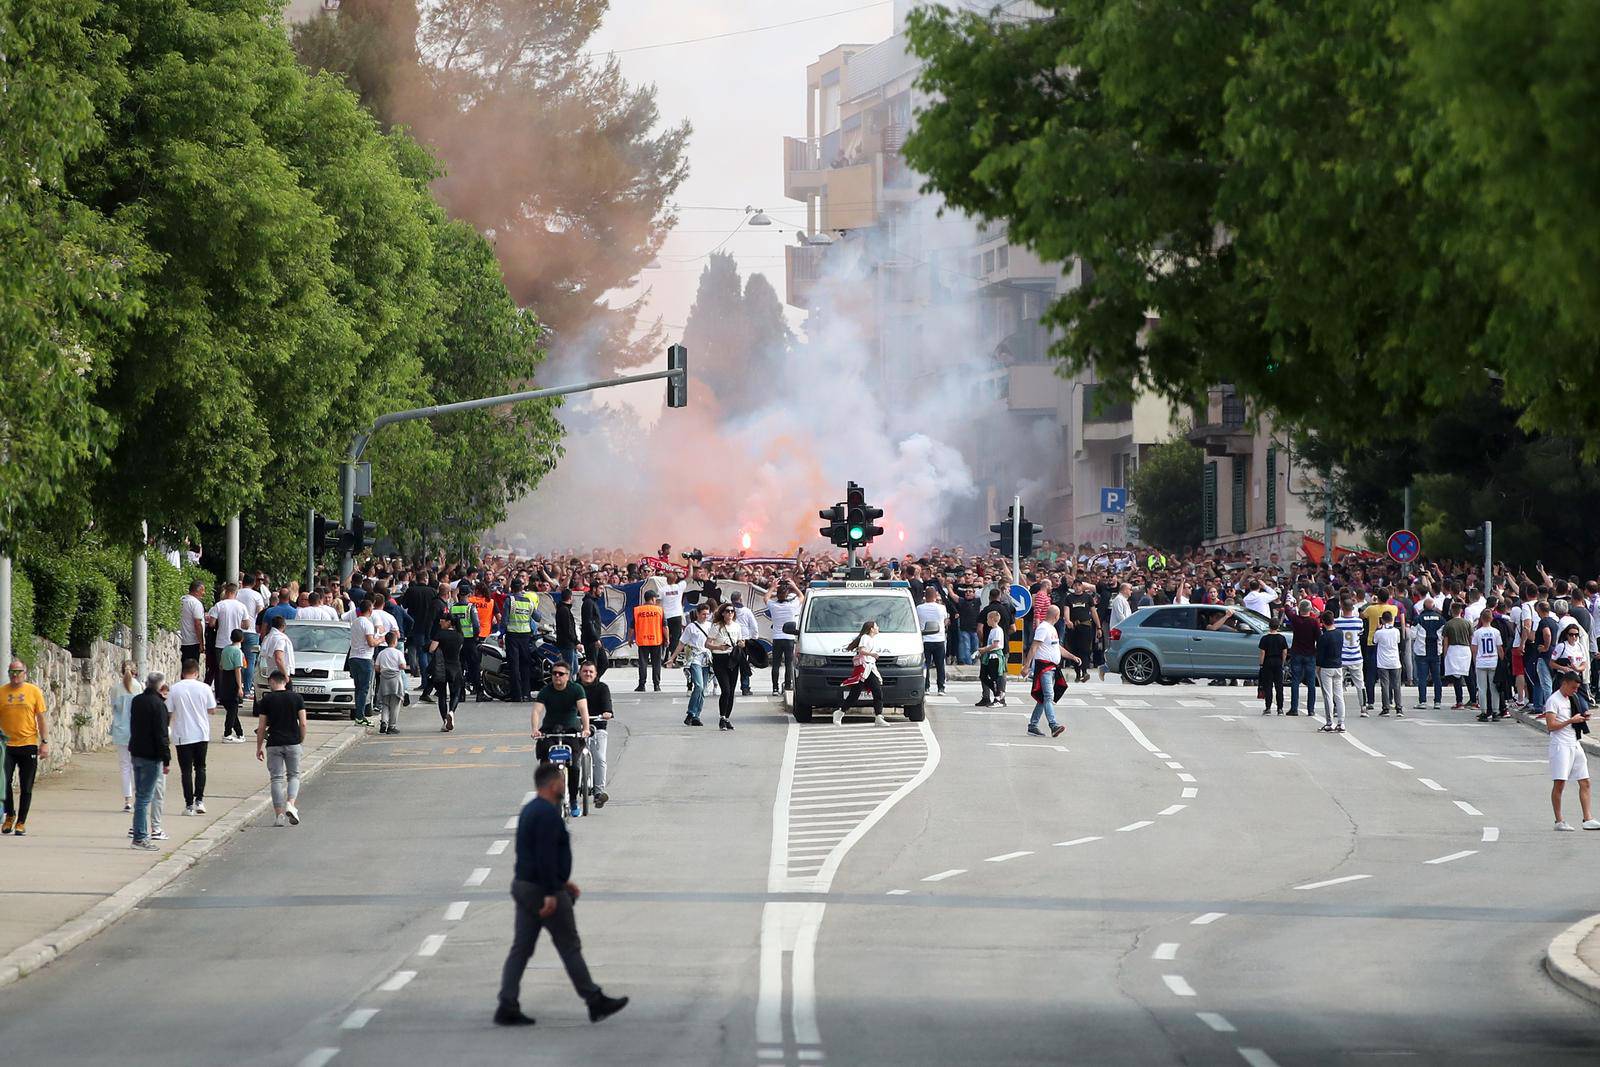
(649, 622)
(466, 619)
(485, 610)
(520, 618)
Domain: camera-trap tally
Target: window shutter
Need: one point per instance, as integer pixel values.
(1208, 502)
(1241, 499)
(1272, 485)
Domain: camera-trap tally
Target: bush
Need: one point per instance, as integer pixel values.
(96, 614)
(23, 644)
(193, 572)
(166, 593)
(55, 593)
(116, 566)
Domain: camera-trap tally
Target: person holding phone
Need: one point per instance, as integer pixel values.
(1567, 725)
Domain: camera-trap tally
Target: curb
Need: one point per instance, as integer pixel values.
(52, 946)
(1528, 718)
(1562, 962)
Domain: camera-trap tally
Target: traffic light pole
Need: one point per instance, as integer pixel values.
(1016, 539)
(358, 443)
(1488, 556)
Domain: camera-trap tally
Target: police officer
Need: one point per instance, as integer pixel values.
(520, 607)
(465, 614)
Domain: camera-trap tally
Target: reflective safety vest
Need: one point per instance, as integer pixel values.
(466, 619)
(648, 623)
(1155, 560)
(519, 617)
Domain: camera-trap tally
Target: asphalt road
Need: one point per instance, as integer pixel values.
(1175, 880)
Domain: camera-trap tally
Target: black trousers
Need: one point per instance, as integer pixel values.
(470, 662)
(1270, 682)
(519, 658)
(563, 927)
(782, 656)
(541, 751)
(870, 683)
(448, 685)
(1082, 638)
(933, 657)
(674, 633)
(724, 667)
(989, 677)
(650, 656)
(22, 761)
(192, 763)
(595, 653)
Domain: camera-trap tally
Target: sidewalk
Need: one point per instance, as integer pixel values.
(74, 874)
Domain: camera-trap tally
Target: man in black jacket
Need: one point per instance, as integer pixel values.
(567, 630)
(544, 894)
(147, 745)
(591, 627)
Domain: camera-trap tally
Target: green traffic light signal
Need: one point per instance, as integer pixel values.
(857, 533)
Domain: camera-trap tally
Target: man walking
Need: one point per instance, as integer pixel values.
(148, 748)
(192, 623)
(364, 642)
(649, 638)
(280, 733)
(931, 619)
(190, 704)
(1304, 629)
(1044, 660)
(598, 694)
(544, 894)
(1349, 626)
(1330, 672)
(519, 610)
(445, 652)
(22, 713)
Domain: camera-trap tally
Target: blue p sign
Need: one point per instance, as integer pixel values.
(1113, 501)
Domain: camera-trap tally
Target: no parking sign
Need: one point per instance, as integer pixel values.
(1404, 546)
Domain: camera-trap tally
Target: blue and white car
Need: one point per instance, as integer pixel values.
(1173, 641)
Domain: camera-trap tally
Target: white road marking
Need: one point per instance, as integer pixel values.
(1025, 744)
(771, 1054)
(1179, 987)
(1402, 766)
(1196, 704)
(1431, 784)
(942, 875)
(455, 911)
(1175, 765)
(431, 945)
(897, 892)
(1160, 755)
(528, 796)
(477, 876)
(1141, 824)
(1468, 808)
(511, 823)
(1172, 809)
(1071, 702)
(1167, 950)
(319, 1057)
(497, 847)
(1208, 918)
(1187, 778)
(1190, 792)
(1491, 833)
(1501, 759)
(1217, 1022)
(810, 1055)
(1274, 753)
(1256, 1058)
(397, 981)
(358, 1018)
(1005, 856)
(1132, 728)
(1334, 881)
(1368, 749)
(803, 984)
(1224, 718)
(1131, 702)
(998, 712)
(1454, 856)
(1077, 841)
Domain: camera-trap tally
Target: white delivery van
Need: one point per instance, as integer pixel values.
(834, 613)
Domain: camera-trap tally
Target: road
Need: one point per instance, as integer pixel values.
(1176, 880)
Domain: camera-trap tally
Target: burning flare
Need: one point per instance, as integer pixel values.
(744, 541)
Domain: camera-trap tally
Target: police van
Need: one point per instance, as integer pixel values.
(833, 615)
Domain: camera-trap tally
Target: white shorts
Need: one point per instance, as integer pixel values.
(1568, 763)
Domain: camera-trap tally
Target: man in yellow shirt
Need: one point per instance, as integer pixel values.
(1371, 618)
(27, 738)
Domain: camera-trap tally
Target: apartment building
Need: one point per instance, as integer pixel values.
(305, 10)
(942, 300)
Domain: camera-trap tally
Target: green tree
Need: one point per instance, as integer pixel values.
(546, 150)
(1165, 494)
(736, 334)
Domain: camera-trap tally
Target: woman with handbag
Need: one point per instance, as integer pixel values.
(725, 640)
(863, 674)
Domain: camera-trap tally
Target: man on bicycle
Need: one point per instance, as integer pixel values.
(561, 708)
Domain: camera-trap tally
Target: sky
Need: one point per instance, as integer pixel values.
(742, 94)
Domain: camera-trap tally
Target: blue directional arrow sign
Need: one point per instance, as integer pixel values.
(1021, 599)
(1113, 501)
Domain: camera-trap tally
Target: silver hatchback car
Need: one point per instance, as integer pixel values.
(1173, 641)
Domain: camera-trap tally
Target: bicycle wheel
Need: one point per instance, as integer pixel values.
(585, 777)
(566, 809)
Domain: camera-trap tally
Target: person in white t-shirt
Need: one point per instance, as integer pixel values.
(190, 703)
(1386, 655)
(1260, 598)
(782, 608)
(254, 603)
(672, 611)
(1044, 660)
(1567, 760)
(364, 641)
(932, 613)
(192, 623)
(229, 615)
(316, 610)
(1488, 649)
(277, 650)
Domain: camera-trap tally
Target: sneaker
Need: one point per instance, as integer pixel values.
(1267, 712)
(511, 1017)
(189, 810)
(1364, 713)
(280, 820)
(1035, 731)
(1436, 707)
(199, 807)
(576, 814)
(698, 722)
(1484, 716)
(1338, 729)
(383, 727)
(688, 720)
(639, 688)
(11, 823)
(146, 845)
(293, 813)
(1057, 730)
(600, 798)
(941, 692)
(838, 716)
(394, 729)
(20, 831)
(1455, 707)
(1294, 713)
(1382, 713)
(601, 1006)
(444, 727)
(879, 720)
(158, 835)
(127, 808)
(1591, 824)
(1399, 714)
(775, 690)
(1327, 729)
(1563, 825)
(724, 724)
(658, 689)
(450, 721)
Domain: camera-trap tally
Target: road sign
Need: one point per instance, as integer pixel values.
(1404, 546)
(1021, 599)
(1113, 500)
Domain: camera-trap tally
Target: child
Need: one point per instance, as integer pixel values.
(230, 686)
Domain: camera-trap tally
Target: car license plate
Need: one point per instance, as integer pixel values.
(311, 690)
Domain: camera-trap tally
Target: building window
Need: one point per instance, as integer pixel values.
(1002, 256)
(1272, 485)
(988, 263)
(1208, 502)
(1241, 500)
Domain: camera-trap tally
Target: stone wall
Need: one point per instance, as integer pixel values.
(75, 688)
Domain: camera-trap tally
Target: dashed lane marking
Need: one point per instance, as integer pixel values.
(511, 823)
(1167, 950)
(455, 911)
(358, 1018)
(1334, 881)
(942, 875)
(1217, 1022)
(1179, 987)
(1402, 766)
(1368, 749)
(1468, 808)
(1256, 1058)
(477, 876)
(1491, 833)
(1433, 785)
(1007, 856)
(1077, 841)
(528, 796)
(897, 892)
(1208, 918)
(1141, 824)
(431, 945)
(1453, 856)
(497, 847)
(1190, 792)
(319, 1057)
(397, 981)
(1172, 809)
(1133, 728)
(1187, 778)
(1174, 765)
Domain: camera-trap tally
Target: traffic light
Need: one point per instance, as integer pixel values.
(1026, 532)
(678, 385)
(1003, 534)
(325, 534)
(859, 516)
(1474, 539)
(362, 532)
(835, 530)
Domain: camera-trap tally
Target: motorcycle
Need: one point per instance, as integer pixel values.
(494, 667)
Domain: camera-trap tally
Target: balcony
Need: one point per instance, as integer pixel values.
(1103, 419)
(1226, 431)
(802, 167)
(803, 269)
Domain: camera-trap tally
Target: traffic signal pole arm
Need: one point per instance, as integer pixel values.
(358, 443)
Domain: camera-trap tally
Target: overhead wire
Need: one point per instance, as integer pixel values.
(739, 33)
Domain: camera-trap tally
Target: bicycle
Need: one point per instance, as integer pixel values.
(561, 754)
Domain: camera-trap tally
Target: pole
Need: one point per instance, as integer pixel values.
(1405, 523)
(1327, 529)
(141, 609)
(1016, 539)
(1488, 555)
(311, 552)
(5, 609)
(358, 443)
(232, 555)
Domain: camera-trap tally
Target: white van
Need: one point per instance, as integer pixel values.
(834, 613)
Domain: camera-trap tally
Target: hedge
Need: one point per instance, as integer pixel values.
(96, 614)
(77, 597)
(23, 644)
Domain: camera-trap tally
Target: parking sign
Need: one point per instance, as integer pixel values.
(1113, 501)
